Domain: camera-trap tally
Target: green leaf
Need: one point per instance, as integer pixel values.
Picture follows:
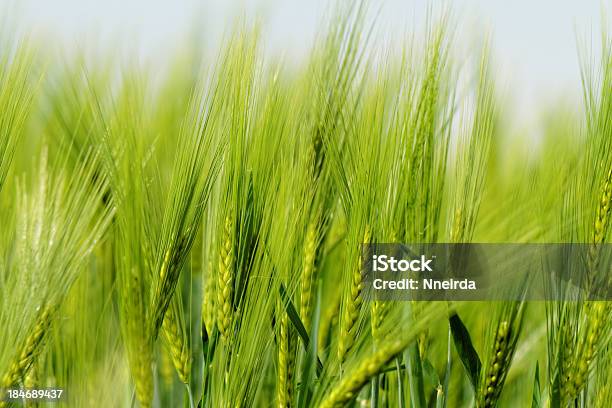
(310, 357)
(415, 376)
(465, 349)
(430, 374)
(536, 400)
(555, 387)
(447, 370)
(374, 391)
(400, 383)
(297, 323)
(440, 397)
(209, 345)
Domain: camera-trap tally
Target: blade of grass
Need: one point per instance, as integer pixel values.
(297, 323)
(467, 353)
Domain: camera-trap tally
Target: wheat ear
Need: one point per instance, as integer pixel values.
(497, 368)
(286, 362)
(208, 304)
(378, 312)
(32, 381)
(308, 273)
(140, 356)
(578, 362)
(600, 226)
(580, 351)
(352, 382)
(328, 319)
(166, 367)
(177, 345)
(225, 281)
(352, 307)
(22, 363)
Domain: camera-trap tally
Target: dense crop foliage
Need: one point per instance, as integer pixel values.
(196, 242)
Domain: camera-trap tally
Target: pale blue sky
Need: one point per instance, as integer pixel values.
(534, 41)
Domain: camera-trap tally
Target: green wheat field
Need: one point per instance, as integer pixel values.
(193, 239)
